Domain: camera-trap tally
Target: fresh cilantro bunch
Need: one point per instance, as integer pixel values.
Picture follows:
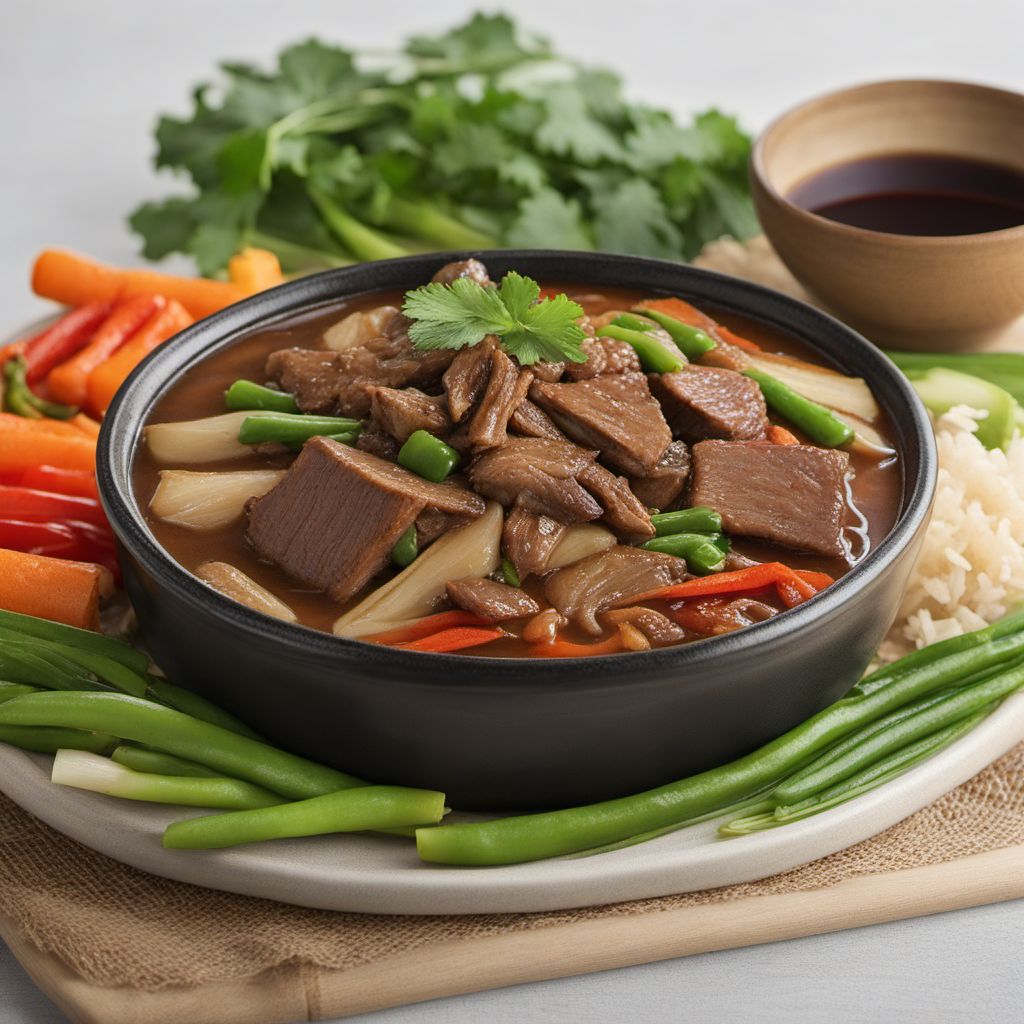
(476, 138)
(465, 312)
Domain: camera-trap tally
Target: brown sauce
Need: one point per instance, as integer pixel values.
(916, 194)
(875, 487)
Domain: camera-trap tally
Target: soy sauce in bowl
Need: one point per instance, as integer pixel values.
(916, 194)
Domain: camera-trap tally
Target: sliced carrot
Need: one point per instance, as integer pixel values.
(75, 280)
(109, 376)
(780, 435)
(68, 381)
(680, 310)
(427, 626)
(86, 424)
(566, 649)
(756, 577)
(255, 270)
(52, 588)
(454, 639)
(45, 425)
(24, 448)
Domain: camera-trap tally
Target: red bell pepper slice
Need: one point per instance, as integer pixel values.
(63, 339)
(30, 504)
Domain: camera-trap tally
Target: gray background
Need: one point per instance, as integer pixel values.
(80, 86)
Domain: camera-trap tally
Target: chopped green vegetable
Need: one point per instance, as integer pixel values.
(406, 548)
(463, 313)
(941, 389)
(704, 552)
(244, 394)
(698, 519)
(654, 357)
(295, 428)
(509, 574)
(692, 341)
(428, 456)
(1003, 368)
(821, 425)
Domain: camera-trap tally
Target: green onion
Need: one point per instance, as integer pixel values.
(699, 519)
(153, 762)
(42, 739)
(654, 357)
(292, 428)
(692, 341)
(43, 629)
(406, 548)
(821, 425)
(509, 574)
(703, 552)
(244, 394)
(428, 456)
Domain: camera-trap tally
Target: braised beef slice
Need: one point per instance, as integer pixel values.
(375, 440)
(604, 356)
(432, 523)
(493, 601)
(581, 590)
(716, 615)
(615, 414)
(473, 269)
(658, 628)
(665, 485)
(507, 386)
(528, 541)
(531, 420)
(791, 494)
(705, 402)
(551, 372)
(727, 356)
(403, 412)
(539, 475)
(624, 513)
(464, 381)
(312, 376)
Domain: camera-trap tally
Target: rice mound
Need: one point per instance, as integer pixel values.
(971, 568)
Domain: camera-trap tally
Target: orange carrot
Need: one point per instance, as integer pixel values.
(109, 376)
(454, 639)
(68, 382)
(12, 351)
(565, 649)
(76, 280)
(25, 447)
(680, 310)
(255, 270)
(780, 435)
(427, 626)
(51, 588)
(62, 428)
(86, 424)
(757, 577)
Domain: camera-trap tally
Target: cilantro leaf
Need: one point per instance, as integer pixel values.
(548, 330)
(633, 219)
(547, 220)
(315, 70)
(570, 130)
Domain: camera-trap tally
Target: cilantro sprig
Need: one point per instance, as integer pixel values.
(463, 313)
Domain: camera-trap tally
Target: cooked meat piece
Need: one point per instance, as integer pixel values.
(472, 269)
(714, 616)
(663, 487)
(623, 512)
(528, 541)
(581, 590)
(532, 421)
(375, 440)
(726, 355)
(548, 371)
(493, 601)
(594, 365)
(615, 414)
(734, 561)
(433, 523)
(704, 402)
(538, 475)
(658, 628)
(506, 388)
(403, 412)
(312, 376)
(604, 356)
(333, 519)
(791, 494)
(464, 381)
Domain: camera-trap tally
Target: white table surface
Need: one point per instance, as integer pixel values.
(80, 87)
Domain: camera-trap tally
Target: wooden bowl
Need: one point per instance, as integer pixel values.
(937, 292)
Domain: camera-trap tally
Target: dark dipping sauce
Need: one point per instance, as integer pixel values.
(916, 194)
(875, 487)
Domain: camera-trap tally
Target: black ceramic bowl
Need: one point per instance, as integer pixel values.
(517, 733)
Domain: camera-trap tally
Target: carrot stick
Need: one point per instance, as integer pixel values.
(51, 588)
(109, 376)
(427, 626)
(780, 435)
(757, 577)
(453, 639)
(60, 341)
(76, 280)
(59, 428)
(565, 649)
(680, 310)
(24, 448)
(254, 270)
(67, 382)
(86, 424)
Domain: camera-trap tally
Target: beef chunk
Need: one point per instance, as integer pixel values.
(433, 523)
(658, 628)
(593, 366)
(312, 376)
(493, 601)
(623, 512)
(615, 414)
(704, 402)
(581, 590)
(532, 421)
(473, 269)
(403, 412)
(663, 487)
(539, 475)
(506, 388)
(604, 356)
(791, 494)
(529, 540)
(464, 381)
(550, 372)
(727, 356)
(375, 440)
(714, 616)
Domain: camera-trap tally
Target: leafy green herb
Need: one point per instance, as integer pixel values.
(476, 138)
(463, 313)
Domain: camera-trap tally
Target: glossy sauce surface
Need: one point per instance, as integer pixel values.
(875, 488)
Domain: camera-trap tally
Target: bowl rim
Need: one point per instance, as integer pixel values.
(122, 426)
(762, 179)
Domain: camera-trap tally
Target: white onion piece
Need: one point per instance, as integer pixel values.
(473, 550)
(207, 501)
(206, 440)
(234, 583)
(580, 542)
(357, 328)
(828, 388)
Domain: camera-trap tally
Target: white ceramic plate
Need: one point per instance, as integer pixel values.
(381, 875)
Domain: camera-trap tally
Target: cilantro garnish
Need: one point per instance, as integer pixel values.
(464, 312)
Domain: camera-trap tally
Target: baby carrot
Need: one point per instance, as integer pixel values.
(51, 588)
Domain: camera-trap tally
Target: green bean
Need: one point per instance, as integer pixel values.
(699, 519)
(244, 394)
(634, 323)
(692, 341)
(508, 572)
(20, 663)
(173, 732)
(288, 428)
(820, 424)
(352, 810)
(702, 551)
(654, 357)
(177, 697)
(85, 639)
(102, 775)
(8, 691)
(428, 456)
(346, 437)
(42, 739)
(406, 548)
(153, 762)
(536, 836)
